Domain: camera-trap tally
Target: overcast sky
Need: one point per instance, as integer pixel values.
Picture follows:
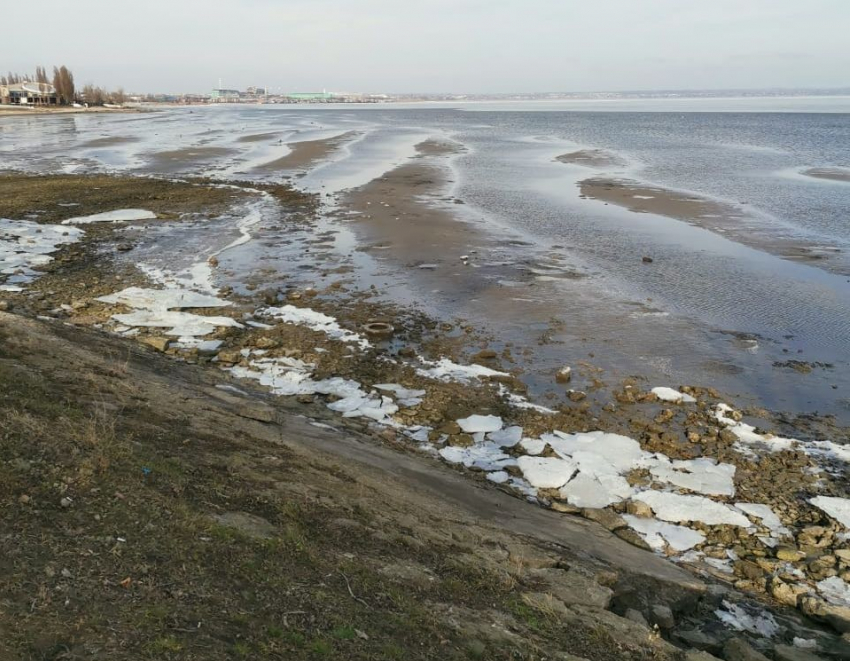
(434, 45)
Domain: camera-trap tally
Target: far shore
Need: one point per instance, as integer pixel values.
(24, 111)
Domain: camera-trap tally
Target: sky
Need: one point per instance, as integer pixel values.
(460, 46)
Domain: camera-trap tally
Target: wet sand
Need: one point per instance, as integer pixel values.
(259, 137)
(18, 111)
(307, 153)
(110, 142)
(833, 174)
(182, 159)
(593, 158)
(727, 219)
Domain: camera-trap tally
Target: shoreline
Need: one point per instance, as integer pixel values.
(309, 351)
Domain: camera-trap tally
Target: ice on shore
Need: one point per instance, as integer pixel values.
(485, 456)
(546, 472)
(671, 395)
(703, 475)
(758, 622)
(748, 435)
(768, 517)
(506, 438)
(117, 216)
(446, 370)
(316, 321)
(677, 508)
(406, 396)
(837, 508)
(596, 490)
(25, 245)
(835, 590)
(659, 533)
(160, 308)
(480, 423)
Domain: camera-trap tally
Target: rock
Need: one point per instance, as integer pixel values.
(461, 440)
(244, 522)
(65, 502)
(409, 573)
(5, 306)
(213, 261)
(451, 428)
(790, 653)
(748, 570)
(124, 247)
(696, 655)
(605, 517)
(564, 375)
(157, 342)
(842, 554)
(257, 411)
(266, 343)
(407, 352)
(639, 508)
(662, 616)
(576, 395)
(231, 356)
(636, 616)
(785, 593)
(646, 260)
(789, 553)
(836, 616)
(737, 649)
(700, 640)
(574, 588)
(24, 499)
(486, 354)
(630, 536)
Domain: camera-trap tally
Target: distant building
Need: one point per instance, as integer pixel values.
(255, 91)
(28, 94)
(310, 96)
(225, 96)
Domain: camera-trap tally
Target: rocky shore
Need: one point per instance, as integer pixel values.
(754, 507)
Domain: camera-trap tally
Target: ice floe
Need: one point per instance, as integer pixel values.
(748, 435)
(160, 308)
(446, 370)
(406, 396)
(671, 395)
(837, 508)
(768, 517)
(703, 475)
(546, 472)
(759, 622)
(487, 456)
(117, 216)
(658, 534)
(506, 438)
(316, 321)
(480, 423)
(26, 245)
(677, 508)
(835, 590)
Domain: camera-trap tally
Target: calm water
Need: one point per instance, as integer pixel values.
(678, 321)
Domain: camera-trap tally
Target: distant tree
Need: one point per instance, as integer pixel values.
(118, 96)
(63, 81)
(40, 75)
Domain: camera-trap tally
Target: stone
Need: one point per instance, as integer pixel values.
(124, 247)
(697, 655)
(157, 342)
(5, 306)
(842, 554)
(231, 356)
(257, 411)
(574, 588)
(636, 616)
(838, 617)
(461, 440)
(564, 375)
(244, 522)
(605, 517)
(737, 649)
(486, 354)
(786, 593)
(790, 653)
(748, 570)
(789, 553)
(266, 343)
(639, 508)
(65, 502)
(662, 616)
(630, 536)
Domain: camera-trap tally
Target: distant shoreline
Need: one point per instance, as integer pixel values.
(18, 111)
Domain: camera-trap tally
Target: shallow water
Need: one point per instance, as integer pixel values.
(707, 311)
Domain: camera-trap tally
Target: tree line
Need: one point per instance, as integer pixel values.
(66, 91)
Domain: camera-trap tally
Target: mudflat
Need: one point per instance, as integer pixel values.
(833, 174)
(307, 153)
(593, 158)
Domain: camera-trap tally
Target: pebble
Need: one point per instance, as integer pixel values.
(65, 502)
